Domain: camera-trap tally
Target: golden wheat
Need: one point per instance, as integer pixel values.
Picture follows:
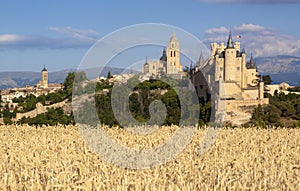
(56, 158)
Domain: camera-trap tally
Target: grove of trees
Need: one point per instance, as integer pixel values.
(283, 111)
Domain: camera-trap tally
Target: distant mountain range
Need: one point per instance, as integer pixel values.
(21, 79)
(281, 68)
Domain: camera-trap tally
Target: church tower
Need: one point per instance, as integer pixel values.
(173, 61)
(44, 81)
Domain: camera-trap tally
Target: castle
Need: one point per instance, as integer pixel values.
(225, 77)
(231, 80)
(169, 62)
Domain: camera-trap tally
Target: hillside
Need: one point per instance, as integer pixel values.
(281, 68)
(21, 79)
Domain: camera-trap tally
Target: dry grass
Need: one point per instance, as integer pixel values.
(56, 158)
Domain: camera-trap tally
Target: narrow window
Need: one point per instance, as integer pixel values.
(174, 54)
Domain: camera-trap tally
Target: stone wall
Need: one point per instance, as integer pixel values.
(39, 109)
(239, 112)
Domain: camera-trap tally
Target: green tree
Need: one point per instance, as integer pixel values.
(109, 75)
(258, 117)
(68, 83)
(267, 79)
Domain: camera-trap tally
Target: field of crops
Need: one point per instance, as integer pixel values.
(56, 158)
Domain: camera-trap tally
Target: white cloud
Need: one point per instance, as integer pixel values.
(219, 30)
(249, 28)
(8, 38)
(74, 38)
(76, 33)
(259, 40)
(252, 1)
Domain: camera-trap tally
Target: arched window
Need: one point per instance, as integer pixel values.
(174, 54)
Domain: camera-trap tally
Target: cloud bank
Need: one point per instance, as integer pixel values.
(74, 38)
(256, 39)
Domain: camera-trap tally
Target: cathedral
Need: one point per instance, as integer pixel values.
(168, 63)
(226, 77)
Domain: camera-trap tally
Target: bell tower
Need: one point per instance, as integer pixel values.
(44, 78)
(173, 60)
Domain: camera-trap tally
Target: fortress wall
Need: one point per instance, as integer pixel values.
(239, 112)
(250, 94)
(232, 90)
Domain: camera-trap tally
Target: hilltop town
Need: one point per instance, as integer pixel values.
(228, 77)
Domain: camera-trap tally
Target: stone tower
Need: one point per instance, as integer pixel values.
(173, 61)
(230, 61)
(44, 81)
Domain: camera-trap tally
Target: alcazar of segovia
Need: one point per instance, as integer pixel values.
(231, 80)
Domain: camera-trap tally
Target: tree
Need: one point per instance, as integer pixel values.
(68, 84)
(258, 117)
(109, 75)
(267, 79)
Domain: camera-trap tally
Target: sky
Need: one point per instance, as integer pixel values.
(58, 33)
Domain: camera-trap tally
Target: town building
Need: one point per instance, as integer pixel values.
(42, 87)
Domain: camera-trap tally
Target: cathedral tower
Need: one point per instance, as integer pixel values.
(173, 61)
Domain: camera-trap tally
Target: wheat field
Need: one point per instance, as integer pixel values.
(56, 158)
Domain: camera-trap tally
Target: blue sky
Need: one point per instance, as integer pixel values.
(58, 33)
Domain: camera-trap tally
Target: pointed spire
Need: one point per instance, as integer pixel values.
(164, 55)
(44, 69)
(230, 42)
(251, 64)
(201, 59)
(251, 60)
(146, 62)
(243, 51)
(173, 34)
(191, 67)
(173, 38)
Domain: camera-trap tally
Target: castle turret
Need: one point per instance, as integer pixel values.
(230, 56)
(243, 81)
(261, 89)
(230, 42)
